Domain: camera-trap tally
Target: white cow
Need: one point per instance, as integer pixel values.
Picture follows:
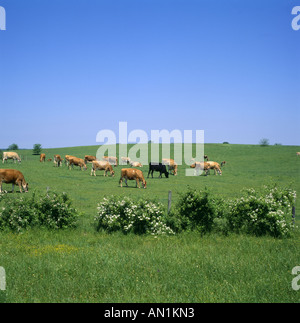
(11, 155)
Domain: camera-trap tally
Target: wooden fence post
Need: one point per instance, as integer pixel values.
(169, 201)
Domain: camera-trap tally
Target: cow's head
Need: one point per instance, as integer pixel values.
(145, 184)
(167, 174)
(25, 186)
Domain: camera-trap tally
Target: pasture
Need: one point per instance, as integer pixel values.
(82, 265)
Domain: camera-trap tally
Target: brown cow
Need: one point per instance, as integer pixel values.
(215, 166)
(89, 159)
(77, 162)
(102, 165)
(172, 165)
(132, 174)
(298, 154)
(14, 177)
(67, 157)
(42, 158)
(201, 166)
(58, 160)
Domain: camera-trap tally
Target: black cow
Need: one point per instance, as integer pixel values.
(158, 168)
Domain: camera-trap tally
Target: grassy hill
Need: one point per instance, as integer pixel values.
(246, 166)
(85, 266)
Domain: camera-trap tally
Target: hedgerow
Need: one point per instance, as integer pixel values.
(257, 212)
(53, 211)
(263, 212)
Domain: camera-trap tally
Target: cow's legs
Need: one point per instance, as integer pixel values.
(20, 186)
(13, 187)
(138, 183)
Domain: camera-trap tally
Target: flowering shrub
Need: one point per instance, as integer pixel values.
(260, 213)
(17, 214)
(195, 210)
(56, 212)
(53, 211)
(128, 215)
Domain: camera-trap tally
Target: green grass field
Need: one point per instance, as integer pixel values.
(82, 265)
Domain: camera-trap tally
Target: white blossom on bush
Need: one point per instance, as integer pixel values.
(128, 215)
(267, 212)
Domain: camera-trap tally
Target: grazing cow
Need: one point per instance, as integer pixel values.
(14, 177)
(125, 160)
(206, 157)
(135, 164)
(102, 165)
(57, 160)
(49, 160)
(201, 166)
(215, 166)
(132, 174)
(67, 157)
(42, 158)
(77, 162)
(298, 154)
(158, 168)
(89, 159)
(223, 163)
(172, 165)
(11, 155)
(111, 160)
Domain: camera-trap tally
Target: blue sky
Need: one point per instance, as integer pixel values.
(69, 69)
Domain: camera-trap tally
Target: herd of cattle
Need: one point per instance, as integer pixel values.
(167, 166)
(15, 177)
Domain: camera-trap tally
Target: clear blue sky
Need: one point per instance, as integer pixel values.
(69, 69)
